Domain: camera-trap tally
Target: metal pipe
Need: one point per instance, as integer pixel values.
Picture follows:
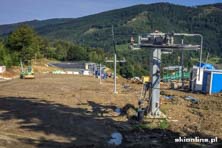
(201, 46)
(201, 52)
(182, 64)
(115, 73)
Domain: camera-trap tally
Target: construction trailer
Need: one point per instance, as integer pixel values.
(197, 74)
(160, 43)
(212, 81)
(196, 79)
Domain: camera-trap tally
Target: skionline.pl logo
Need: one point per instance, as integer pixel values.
(196, 139)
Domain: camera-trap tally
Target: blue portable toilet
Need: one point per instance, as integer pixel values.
(212, 81)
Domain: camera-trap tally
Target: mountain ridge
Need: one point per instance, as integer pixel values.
(95, 30)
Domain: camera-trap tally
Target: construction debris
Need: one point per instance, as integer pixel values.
(168, 97)
(192, 99)
(118, 111)
(116, 138)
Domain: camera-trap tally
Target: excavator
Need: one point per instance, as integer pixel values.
(26, 73)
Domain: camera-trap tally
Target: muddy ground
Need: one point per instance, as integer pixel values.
(77, 111)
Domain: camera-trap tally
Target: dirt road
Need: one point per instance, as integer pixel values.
(76, 111)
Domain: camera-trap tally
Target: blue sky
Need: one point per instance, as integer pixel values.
(12, 11)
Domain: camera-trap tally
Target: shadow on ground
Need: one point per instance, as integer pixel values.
(81, 127)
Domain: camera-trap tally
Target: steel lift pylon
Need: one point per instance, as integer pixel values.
(160, 43)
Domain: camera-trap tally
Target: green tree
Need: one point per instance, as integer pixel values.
(44, 47)
(127, 70)
(61, 49)
(96, 55)
(50, 52)
(93, 56)
(76, 52)
(5, 58)
(25, 42)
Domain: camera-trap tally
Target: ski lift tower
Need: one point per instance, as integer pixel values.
(158, 43)
(115, 61)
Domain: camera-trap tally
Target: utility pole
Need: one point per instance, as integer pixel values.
(114, 62)
(114, 47)
(115, 92)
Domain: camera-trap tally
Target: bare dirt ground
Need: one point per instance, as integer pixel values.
(77, 111)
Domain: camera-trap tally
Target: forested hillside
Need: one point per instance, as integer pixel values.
(94, 31)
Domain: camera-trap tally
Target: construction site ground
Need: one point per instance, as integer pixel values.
(78, 111)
